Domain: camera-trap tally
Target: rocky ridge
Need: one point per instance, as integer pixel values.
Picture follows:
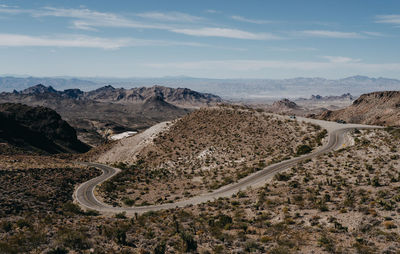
(377, 108)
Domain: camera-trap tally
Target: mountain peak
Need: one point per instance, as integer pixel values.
(106, 88)
(39, 89)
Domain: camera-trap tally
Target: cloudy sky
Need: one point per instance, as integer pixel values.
(214, 39)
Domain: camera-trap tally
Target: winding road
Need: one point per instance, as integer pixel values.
(85, 197)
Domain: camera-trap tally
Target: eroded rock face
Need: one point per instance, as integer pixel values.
(37, 128)
(380, 108)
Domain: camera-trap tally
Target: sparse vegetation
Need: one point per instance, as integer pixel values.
(206, 150)
(346, 201)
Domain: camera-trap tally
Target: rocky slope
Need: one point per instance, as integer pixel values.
(37, 129)
(379, 108)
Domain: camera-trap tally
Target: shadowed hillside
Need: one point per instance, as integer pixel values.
(37, 129)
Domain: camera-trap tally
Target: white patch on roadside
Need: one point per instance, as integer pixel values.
(123, 135)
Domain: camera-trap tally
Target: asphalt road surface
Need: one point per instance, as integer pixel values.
(84, 194)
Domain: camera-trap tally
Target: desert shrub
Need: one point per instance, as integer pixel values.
(219, 249)
(6, 226)
(252, 246)
(108, 186)
(320, 136)
(395, 132)
(189, 244)
(58, 250)
(71, 208)
(294, 184)
(350, 199)
(6, 247)
(24, 241)
(303, 149)
(362, 247)
(120, 235)
(22, 223)
(282, 177)
(223, 220)
(375, 182)
(327, 243)
(121, 165)
(74, 239)
(389, 225)
(160, 248)
(92, 213)
(128, 201)
(120, 215)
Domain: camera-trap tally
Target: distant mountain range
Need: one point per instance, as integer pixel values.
(236, 89)
(105, 111)
(177, 96)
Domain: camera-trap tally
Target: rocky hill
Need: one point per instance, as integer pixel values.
(37, 129)
(106, 111)
(380, 108)
(285, 104)
(202, 151)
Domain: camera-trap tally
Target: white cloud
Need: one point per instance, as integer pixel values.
(10, 9)
(388, 19)
(375, 34)
(170, 16)
(226, 33)
(341, 59)
(253, 21)
(82, 41)
(331, 34)
(85, 19)
(89, 19)
(18, 40)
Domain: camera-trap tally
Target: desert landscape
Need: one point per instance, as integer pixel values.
(341, 201)
(155, 127)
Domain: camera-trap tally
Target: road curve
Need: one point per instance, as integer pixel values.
(85, 197)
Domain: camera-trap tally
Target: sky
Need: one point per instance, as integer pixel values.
(208, 38)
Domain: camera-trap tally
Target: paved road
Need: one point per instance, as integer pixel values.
(336, 139)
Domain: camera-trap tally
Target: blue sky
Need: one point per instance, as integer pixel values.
(214, 39)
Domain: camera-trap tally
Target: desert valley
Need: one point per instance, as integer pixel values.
(169, 191)
(154, 127)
